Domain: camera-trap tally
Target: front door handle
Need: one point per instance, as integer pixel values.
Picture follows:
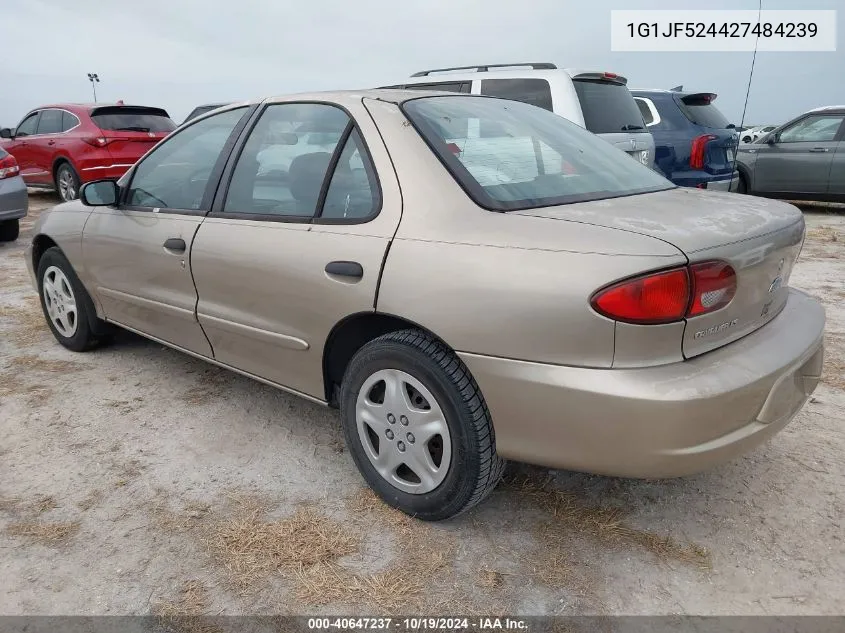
(175, 244)
(820, 149)
(51, 142)
(345, 269)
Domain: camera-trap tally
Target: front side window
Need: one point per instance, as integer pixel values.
(175, 174)
(536, 159)
(50, 122)
(284, 162)
(813, 129)
(27, 126)
(533, 91)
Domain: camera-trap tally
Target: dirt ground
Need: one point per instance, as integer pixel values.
(138, 480)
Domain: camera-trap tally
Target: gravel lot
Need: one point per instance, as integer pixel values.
(137, 480)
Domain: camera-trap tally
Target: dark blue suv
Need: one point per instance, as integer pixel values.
(695, 145)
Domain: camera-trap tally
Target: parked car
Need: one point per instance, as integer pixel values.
(208, 107)
(63, 146)
(752, 134)
(695, 145)
(589, 315)
(598, 101)
(802, 159)
(14, 200)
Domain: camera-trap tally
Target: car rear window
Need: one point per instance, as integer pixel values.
(132, 119)
(533, 91)
(608, 107)
(528, 157)
(699, 109)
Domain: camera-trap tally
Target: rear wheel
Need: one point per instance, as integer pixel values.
(66, 304)
(742, 185)
(9, 230)
(417, 426)
(67, 182)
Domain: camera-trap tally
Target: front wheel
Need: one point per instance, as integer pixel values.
(9, 230)
(742, 185)
(67, 182)
(66, 305)
(417, 426)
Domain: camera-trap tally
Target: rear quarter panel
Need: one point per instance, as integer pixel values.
(494, 283)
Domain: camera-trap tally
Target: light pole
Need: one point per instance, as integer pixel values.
(94, 79)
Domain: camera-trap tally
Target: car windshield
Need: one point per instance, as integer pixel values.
(608, 107)
(509, 155)
(131, 119)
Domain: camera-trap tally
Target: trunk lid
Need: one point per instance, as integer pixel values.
(759, 238)
(131, 131)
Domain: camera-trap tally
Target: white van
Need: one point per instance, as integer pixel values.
(597, 101)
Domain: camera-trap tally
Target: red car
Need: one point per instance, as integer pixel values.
(63, 146)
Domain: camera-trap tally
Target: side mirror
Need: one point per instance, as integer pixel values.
(6, 133)
(773, 138)
(100, 193)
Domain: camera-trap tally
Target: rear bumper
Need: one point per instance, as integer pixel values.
(14, 200)
(704, 180)
(662, 421)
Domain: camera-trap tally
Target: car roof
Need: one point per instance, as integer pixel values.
(392, 95)
(834, 108)
(501, 73)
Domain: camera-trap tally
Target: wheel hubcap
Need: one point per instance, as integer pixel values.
(67, 186)
(59, 301)
(413, 455)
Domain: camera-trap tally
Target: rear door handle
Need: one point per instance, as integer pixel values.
(51, 142)
(175, 244)
(820, 149)
(345, 269)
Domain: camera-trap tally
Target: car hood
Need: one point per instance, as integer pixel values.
(690, 219)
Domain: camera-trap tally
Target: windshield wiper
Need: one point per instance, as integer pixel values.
(133, 128)
(628, 128)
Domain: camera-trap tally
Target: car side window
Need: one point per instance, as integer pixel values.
(532, 91)
(283, 164)
(175, 174)
(813, 129)
(50, 122)
(353, 191)
(27, 126)
(443, 86)
(69, 121)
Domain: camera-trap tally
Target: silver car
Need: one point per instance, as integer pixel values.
(14, 201)
(576, 311)
(803, 159)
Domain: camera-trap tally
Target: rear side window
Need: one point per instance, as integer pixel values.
(535, 92)
(608, 107)
(50, 122)
(699, 109)
(648, 117)
(536, 158)
(69, 121)
(132, 119)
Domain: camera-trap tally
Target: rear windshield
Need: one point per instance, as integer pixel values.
(509, 155)
(131, 119)
(608, 107)
(701, 111)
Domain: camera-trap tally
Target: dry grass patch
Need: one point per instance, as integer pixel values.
(571, 517)
(489, 578)
(824, 234)
(92, 499)
(191, 516)
(833, 370)
(42, 532)
(251, 547)
(36, 363)
(27, 320)
(183, 614)
(44, 503)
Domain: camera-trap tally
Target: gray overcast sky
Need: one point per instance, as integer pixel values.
(180, 53)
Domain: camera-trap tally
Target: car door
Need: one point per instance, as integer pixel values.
(288, 252)
(42, 146)
(138, 253)
(836, 185)
(21, 147)
(799, 158)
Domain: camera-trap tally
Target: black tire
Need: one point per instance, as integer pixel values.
(742, 185)
(66, 171)
(475, 468)
(90, 331)
(9, 230)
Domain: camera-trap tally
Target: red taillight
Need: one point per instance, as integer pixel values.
(669, 295)
(657, 298)
(699, 146)
(8, 167)
(713, 287)
(97, 141)
(611, 75)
